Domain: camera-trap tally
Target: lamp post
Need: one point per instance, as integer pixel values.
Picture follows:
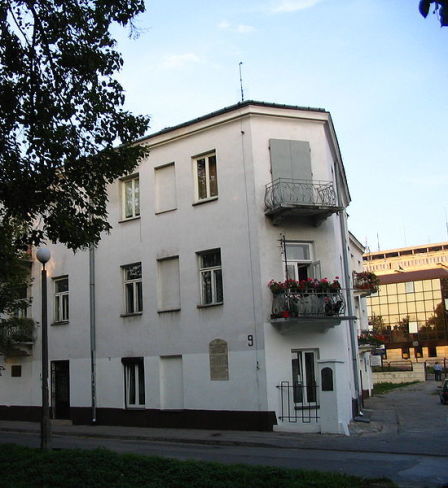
(43, 255)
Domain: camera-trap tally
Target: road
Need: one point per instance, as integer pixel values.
(414, 471)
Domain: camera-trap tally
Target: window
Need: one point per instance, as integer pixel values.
(210, 277)
(16, 370)
(298, 257)
(132, 281)
(168, 285)
(131, 197)
(206, 180)
(432, 351)
(134, 382)
(165, 188)
(22, 311)
(409, 287)
(61, 307)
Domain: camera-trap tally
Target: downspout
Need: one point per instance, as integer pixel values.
(347, 277)
(92, 330)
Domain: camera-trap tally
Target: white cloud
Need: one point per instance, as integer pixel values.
(244, 29)
(176, 61)
(293, 5)
(224, 25)
(240, 28)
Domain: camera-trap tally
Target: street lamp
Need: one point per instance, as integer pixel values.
(43, 255)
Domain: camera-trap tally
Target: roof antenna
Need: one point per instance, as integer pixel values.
(241, 82)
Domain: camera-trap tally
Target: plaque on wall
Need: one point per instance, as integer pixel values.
(219, 360)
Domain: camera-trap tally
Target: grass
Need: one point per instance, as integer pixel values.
(380, 388)
(23, 467)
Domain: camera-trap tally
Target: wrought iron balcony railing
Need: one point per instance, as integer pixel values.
(297, 304)
(301, 197)
(15, 333)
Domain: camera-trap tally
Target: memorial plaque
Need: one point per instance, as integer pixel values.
(219, 360)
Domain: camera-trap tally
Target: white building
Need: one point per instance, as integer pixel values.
(169, 321)
(362, 323)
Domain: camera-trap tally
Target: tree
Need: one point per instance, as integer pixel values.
(64, 134)
(14, 272)
(440, 6)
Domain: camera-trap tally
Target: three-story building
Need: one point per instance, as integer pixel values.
(170, 320)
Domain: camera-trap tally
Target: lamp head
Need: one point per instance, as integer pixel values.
(43, 255)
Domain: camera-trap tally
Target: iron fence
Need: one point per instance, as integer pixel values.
(394, 366)
(299, 402)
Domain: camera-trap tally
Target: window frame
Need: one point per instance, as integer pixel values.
(135, 212)
(137, 290)
(61, 301)
(216, 275)
(312, 266)
(206, 158)
(134, 383)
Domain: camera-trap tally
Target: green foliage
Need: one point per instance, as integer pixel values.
(32, 468)
(61, 117)
(440, 7)
(381, 388)
(14, 270)
(15, 330)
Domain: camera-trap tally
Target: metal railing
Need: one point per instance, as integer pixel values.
(284, 192)
(394, 366)
(17, 330)
(299, 403)
(292, 303)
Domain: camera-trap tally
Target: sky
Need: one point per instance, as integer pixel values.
(377, 66)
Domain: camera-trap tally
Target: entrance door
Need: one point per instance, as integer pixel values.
(60, 389)
(304, 378)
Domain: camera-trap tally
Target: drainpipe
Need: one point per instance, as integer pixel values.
(92, 330)
(347, 276)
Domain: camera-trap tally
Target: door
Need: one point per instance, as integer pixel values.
(171, 383)
(60, 389)
(304, 378)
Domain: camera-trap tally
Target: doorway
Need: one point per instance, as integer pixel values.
(60, 389)
(305, 391)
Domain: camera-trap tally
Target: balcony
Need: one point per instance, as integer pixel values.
(365, 283)
(16, 336)
(292, 310)
(300, 198)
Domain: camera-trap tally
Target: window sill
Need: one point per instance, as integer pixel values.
(168, 310)
(205, 200)
(61, 322)
(161, 212)
(134, 314)
(130, 219)
(211, 305)
(139, 407)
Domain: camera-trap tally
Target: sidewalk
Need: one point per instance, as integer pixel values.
(406, 421)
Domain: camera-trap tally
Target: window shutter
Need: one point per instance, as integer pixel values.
(290, 159)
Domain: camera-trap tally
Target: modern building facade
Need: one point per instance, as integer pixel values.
(410, 308)
(170, 321)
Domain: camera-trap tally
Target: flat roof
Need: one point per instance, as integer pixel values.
(420, 249)
(419, 275)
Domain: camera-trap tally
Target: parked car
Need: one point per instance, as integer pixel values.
(443, 392)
